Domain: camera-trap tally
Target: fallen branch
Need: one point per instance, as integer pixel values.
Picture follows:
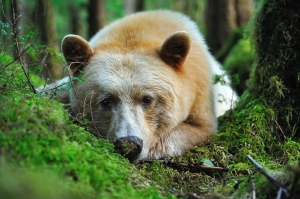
(281, 187)
(252, 187)
(196, 167)
(296, 171)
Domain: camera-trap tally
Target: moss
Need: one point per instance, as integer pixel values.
(38, 183)
(264, 188)
(265, 124)
(43, 149)
(245, 130)
(177, 180)
(36, 136)
(276, 71)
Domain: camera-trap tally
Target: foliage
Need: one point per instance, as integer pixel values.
(239, 63)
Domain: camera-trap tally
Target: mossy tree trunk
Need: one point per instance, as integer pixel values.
(276, 74)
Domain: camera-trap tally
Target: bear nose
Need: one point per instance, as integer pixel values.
(130, 146)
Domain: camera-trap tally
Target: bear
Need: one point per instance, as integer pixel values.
(146, 84)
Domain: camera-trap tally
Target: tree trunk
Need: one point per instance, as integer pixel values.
(95, 16)
(48, 28)
(222, 17)
(131, 6)
(220, 20)
(244, 9)
(139, 5)
(276, 75)
(76, 20)
(48, 35)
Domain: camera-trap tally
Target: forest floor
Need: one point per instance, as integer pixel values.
(44, 154)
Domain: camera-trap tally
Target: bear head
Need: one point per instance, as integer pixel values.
(129, 95)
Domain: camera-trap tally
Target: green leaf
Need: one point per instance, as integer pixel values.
(206, 162)
(78, 79)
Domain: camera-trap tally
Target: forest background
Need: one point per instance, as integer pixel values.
(43, 152)
(47, 22)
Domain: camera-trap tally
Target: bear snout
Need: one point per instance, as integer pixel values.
(130, 147)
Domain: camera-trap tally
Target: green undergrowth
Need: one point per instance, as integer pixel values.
(44, 154)
(246, 131)
(238, 64)
(249, 130)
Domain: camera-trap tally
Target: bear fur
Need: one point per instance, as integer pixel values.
(147, 77)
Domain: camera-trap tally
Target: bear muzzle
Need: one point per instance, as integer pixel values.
(130, 147)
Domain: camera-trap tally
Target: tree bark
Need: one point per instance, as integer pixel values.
(222, 17)
(131, 6)
(139, 5)
(276, 75)
(220, 22)
(48, 35)
(95, 16)
(76, 20)
(48, 28)
(244, 9)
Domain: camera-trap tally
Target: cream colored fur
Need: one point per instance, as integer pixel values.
(126, 61)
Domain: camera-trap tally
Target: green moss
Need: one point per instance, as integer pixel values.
(44, 149)
(178, 180)
(276, 71)
(36, 183)
(265, 124)
(36, 135)
(246, 130)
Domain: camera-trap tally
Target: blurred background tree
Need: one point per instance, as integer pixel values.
(222, 17)
(48, 36)
(221, 22)
(95, 16)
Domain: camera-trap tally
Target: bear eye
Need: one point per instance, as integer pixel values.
(147, 100)
(106, 102)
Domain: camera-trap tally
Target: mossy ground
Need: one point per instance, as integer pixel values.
(44, 154)
(244, 131)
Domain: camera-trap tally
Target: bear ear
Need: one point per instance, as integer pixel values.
(175, 49)
(77, 52)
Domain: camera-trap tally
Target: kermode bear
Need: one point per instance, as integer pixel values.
(148, 84)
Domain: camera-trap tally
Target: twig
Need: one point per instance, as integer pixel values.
(279, 193)
(268, 176)
(252, 187)
(184, 166)
(15, 32)
(278, 126)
